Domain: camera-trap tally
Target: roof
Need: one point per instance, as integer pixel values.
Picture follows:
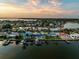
(75, 34)
(71, 25)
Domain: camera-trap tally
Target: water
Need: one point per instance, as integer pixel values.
(59, 50)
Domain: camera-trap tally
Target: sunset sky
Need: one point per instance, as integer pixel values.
(39, 8)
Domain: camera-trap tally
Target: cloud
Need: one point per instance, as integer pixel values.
(10, 7)
(32, 3)
(32, 9)
(71, 6)
(55, 3)
(9, 10)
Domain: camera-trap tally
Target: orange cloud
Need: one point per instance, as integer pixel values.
(9, 9)
(31, 9)
(32, 3)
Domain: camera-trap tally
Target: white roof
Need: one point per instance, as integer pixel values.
(75, 34)
(71, 25)
(54, 29)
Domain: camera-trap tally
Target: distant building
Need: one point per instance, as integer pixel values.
(64, 36)
(39, 35)
(55, 29)
(70, 25)
(12, 35)
(3, 33)
(52, 34)
(74, 36)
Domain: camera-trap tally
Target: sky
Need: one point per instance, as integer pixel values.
(39, 8)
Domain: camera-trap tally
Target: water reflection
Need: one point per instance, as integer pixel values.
(60, 50)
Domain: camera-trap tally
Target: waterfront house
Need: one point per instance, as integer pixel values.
(12, 35)
(3, 33)
(74, 36)
(70, 25)
(52, 34)
(28, 34)
(64, 36)
(55, 29)
(39, 35)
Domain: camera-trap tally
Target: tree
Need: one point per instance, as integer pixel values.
(7, 26)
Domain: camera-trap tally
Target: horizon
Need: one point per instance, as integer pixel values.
(25, 19)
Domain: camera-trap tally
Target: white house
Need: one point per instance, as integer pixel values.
(12, 34)
(2, 33)
(74, 36)
(70, 25)
(64, 36)
(55, 29)
(52, 34)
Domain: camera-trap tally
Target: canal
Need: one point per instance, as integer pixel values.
(56, 50)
